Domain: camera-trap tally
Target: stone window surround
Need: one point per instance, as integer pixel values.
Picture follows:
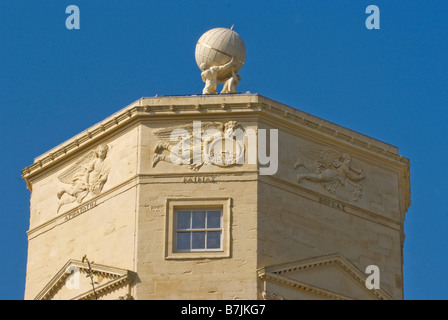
(173, 204)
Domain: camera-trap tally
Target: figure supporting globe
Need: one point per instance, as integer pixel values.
(220, 54)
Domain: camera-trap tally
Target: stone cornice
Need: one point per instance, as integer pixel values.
(119, 278)
(107, 288)
(298, 285)
(275, 273)
(199, 105)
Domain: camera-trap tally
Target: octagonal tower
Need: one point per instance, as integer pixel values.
(144, 195)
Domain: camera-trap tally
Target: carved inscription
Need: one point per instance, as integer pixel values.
(332, 203)
(80, 210)
(157, 209)
(199, 180)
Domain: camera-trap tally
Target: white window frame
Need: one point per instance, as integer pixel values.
(192, 230)
(173, 205)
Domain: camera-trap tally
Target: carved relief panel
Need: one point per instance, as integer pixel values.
(200, 143)
(86, 177)
(341, 177)
(332, 169)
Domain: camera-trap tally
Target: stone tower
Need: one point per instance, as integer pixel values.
(186, 218)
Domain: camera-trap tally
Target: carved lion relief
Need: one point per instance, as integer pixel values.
(86, 177)
(332, 169)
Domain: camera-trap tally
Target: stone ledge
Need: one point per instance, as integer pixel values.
(197, 104)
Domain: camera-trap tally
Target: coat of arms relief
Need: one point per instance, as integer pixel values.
(86, 177)
(332, 169)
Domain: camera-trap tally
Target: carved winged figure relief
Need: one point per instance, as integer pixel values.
(86, 176)
(331, 169)
(206, 150)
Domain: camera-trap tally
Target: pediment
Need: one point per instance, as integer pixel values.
(330, 277)
(73, 283)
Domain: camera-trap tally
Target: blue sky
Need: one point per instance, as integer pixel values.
(317, 56)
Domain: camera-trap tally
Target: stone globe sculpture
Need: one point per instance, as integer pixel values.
(220, 54)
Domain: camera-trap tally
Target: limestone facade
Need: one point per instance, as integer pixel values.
(335, 205)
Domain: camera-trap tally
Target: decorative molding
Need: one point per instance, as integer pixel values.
(118, 279)
(271, 296)
(277, 273)
(134, 111)
(300, 286)
(238, 103)
(126, 297)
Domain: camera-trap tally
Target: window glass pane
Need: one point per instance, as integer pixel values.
(198, 221)
(198, 240)
(214, 240)
(183, 220)
(214, 219)
(183, 241)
